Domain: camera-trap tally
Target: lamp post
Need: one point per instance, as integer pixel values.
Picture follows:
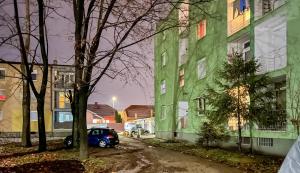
(113, 100)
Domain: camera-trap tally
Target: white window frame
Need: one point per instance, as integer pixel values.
(201, 73)
(245, 50)
(164, 59)
(265, 142)
(163, 112)
(164, 35)
(3, 69)
(202, 109)
(163, 87)
(183, 50)
(31, 119)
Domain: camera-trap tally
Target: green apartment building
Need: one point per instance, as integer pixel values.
(187, 58)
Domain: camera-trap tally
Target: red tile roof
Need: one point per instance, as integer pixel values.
(101, 109)
(141, 111)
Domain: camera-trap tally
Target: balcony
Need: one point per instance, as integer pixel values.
(277, 125)
(236, 18)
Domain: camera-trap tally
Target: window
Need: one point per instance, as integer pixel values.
(33, 116)
(201, 68)
(2, 95)
(266, 142)
(239, 7)
(201, 105)
(183, 13)
(2, 73)
(61, 101)
(163, 113)
(63, 79)
(163, 59)
(246, 140)
(1, 115)
(163, 87)
(181, 78)
(63, 117)
(164, 35)
(201, 29)
(34, 75)
(183, 47)
(246, 51)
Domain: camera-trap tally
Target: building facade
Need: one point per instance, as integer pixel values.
(58, 116)
(187, 59)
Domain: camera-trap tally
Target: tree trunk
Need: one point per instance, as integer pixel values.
(41, 124)
(75, 132)
(239, 122)
(26, 114)
(26, 88)
(251, 137)
(298, 126)
(82, 106)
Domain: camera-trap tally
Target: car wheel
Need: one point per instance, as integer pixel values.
(102, 144)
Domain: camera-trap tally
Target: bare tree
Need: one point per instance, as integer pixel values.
(104, 30)
(40, 95)
(26, 142)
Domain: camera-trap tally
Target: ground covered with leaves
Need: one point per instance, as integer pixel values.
(14, 158)
(243, 161)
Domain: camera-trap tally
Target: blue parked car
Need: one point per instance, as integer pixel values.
(102, 137)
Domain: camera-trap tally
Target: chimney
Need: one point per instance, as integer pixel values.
(55, 61)
(96, 103)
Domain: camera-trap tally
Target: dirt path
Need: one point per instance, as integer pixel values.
(133, 156)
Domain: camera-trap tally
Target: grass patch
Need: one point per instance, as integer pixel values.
(246, 162)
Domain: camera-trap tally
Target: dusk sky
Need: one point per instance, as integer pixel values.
(61, 48)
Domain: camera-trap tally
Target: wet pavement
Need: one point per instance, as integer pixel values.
(133, 156)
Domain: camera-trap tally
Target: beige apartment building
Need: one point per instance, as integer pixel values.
(58, 117)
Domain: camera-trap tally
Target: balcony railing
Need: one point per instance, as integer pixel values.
(276, 125)
(238, 23)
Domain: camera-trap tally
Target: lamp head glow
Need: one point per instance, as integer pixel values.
(114, 98)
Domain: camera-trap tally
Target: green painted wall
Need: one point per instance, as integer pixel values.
(214, 48)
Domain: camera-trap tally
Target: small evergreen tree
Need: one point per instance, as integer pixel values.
(241, 94)
(210, 133)
(118, 117)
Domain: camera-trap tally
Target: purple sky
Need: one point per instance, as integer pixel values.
(61, 48)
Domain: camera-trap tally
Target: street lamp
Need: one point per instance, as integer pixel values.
(113, 100)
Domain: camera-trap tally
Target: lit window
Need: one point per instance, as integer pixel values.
(201, 29)
(164, 59)
(201, 107)
(34, 75)
(181, 78)
(2, 73)
(2, 95)
(163, 87)
(201, 70)
(61, 101)
(63, 117)
(33, 116)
